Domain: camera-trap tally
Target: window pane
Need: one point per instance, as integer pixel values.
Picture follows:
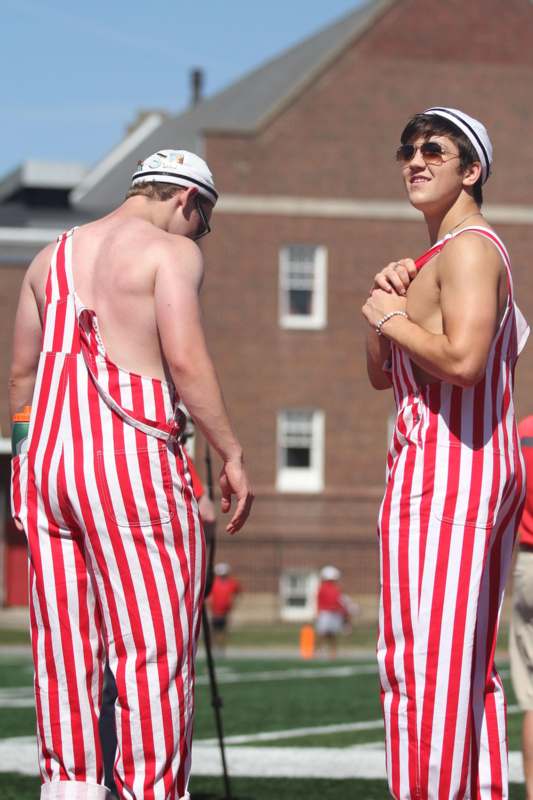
(297, 602)
(298, 457)
(300, 302)
(296, 429)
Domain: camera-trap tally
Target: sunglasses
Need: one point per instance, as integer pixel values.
(205, 227)
(432, 152)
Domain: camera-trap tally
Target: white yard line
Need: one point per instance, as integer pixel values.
(20, 755)
(226, 676)
(293, 733)
(17, 697)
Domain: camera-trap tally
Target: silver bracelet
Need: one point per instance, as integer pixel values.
(384, 319)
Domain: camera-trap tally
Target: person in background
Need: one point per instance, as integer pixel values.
(221, 601)
(332, 610)
(521, 635)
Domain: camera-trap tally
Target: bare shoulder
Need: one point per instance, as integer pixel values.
(469, 254)
(38, 269)
(176, 254)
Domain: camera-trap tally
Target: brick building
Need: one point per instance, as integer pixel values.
(312, 205)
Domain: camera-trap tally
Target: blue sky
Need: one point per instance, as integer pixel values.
(74, 75)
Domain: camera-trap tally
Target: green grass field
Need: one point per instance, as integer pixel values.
(272, 698)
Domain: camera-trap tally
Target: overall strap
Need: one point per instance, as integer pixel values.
(168, 431)
(428, 255)
(60, 282)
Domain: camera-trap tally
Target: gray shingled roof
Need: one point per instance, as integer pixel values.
(242, 107)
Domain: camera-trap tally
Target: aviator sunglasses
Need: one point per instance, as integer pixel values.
(432, 152)
(206, 227)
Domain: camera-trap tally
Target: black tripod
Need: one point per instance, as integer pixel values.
(216, 700)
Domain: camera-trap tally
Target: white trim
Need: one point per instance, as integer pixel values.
(5, 445)
(317, 319)
(342, 208)
(303, 479)
(317, 207)
(121, 151)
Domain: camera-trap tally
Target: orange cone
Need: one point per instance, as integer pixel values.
(307, 641)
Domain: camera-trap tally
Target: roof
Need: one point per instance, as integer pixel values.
(36, 174)
(242, 107)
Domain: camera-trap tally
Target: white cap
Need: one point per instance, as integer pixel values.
(179, 167)
(330, 573)
(222, 569)
(473, 129)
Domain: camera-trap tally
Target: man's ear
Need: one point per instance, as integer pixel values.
(472, 174)
(188, 198)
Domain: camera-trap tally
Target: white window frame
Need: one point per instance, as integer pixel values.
(299, 613)
(302, 479)
(317, 319)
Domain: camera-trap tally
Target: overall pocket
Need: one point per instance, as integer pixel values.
(463, 491)
(135, 485)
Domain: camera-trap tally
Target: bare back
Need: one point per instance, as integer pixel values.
(114, 267)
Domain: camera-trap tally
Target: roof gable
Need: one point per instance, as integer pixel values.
(241, 108)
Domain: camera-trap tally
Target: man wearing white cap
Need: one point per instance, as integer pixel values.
(108, 338)
(445, 334)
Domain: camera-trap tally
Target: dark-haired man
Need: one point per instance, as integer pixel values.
(449, 334)
(108, 331)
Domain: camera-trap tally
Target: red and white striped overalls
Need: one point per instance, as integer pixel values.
(447, 525)
(116, 557)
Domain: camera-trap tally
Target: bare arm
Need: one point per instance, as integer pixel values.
(393, 279)
(177, 284)
(470, 271)
(377, 353)
(27, 338)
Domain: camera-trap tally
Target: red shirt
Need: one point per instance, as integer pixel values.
(330, 597)
(525, 431)
(197, 486)
(223, 594)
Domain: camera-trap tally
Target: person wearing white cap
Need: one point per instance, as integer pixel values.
(332, 610)
(224, 592)
(445, 334)
(108, 338)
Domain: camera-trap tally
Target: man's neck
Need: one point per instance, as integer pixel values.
(142, 209)
(445, 221)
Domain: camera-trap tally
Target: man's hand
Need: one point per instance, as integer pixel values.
(396, 276)
(233, 480)
(381, 303)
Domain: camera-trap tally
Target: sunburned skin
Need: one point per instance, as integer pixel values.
(114, 274)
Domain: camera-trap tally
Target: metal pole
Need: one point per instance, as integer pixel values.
(216, 700)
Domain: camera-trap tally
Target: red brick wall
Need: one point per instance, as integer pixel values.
(338, 137)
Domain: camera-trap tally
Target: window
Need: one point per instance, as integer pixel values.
(302, 284)
(300, 451)
(297, 589)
